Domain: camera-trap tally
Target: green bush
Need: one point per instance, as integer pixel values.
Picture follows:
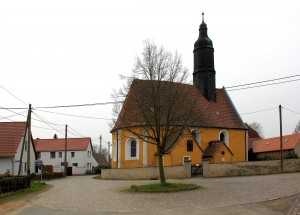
(98, 168)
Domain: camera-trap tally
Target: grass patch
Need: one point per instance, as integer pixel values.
(36, 186)
(165, 187)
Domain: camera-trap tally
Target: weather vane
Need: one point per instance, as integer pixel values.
(202, 16)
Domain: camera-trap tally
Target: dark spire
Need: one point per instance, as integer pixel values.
(204, 71)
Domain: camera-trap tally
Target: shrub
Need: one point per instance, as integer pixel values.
(98, 168)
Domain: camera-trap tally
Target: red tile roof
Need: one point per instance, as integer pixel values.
(273, 144)
(73, 144)
(212, 114)
(11, 134)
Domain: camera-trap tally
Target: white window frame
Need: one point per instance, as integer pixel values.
(128, 148)
(185, 156)
(226, 138)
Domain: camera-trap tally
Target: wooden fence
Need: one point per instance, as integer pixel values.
(14, 183)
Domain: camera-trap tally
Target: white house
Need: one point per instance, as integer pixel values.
(12, 136)
(79, 154)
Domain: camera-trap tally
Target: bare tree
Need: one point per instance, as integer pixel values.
(157, 109)
(297, 128)
(257, 127)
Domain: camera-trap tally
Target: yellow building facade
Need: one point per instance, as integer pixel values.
(186, 148)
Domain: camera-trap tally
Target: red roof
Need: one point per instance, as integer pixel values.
(73, 144)
(11, 134)
(273, 144)
(212, 114)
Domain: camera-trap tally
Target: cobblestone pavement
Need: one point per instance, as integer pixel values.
(84, 194)
(295, 209)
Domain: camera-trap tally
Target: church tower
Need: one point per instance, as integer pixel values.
(204, 69)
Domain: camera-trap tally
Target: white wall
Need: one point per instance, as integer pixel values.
(24, 158)
(12, 163)
(82, 158)
(6, 165)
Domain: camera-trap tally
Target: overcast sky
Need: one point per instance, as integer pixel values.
(72, 52)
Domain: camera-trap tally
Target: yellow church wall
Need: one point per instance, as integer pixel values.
(236, 139)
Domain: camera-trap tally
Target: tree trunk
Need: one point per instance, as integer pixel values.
(160, 166)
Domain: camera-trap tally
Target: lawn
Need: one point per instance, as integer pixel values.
(36, 186)
(165, 187)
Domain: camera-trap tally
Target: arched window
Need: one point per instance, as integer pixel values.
(197, 137)
(224, 137)
(132, 148)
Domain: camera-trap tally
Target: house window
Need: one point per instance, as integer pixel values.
(224, 137)
(75, 164)
(72, 154)
(25, 167)
(60, 154)
(52, 154)
(189, 146)
(132, 149)
(186, 158)
(38, 154)
(223, 152)
(25, 145)
(88, 166)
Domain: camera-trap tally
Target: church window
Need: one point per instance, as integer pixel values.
(224, 137)
(132, 148)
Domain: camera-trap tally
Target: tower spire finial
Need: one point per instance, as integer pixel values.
(202, 16)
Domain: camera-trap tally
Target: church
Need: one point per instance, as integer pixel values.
(214, 131)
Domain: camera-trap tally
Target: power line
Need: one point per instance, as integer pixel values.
(75, 131)
(80, 116)
(12, 94)
(259, 111)
(79, 105)
(291, 110)
(264, 85)
(259, 82)
(47, 123)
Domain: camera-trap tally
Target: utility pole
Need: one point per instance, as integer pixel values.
(65, 163)
(28, 140)
(281, 150)
(100, 150)
(23, 144)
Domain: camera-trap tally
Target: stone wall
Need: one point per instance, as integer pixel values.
(250, 168)
(147, 173)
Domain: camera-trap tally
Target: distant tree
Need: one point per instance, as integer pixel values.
(297, 128)
(257, 127)
(96, 148)
(55, 136)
